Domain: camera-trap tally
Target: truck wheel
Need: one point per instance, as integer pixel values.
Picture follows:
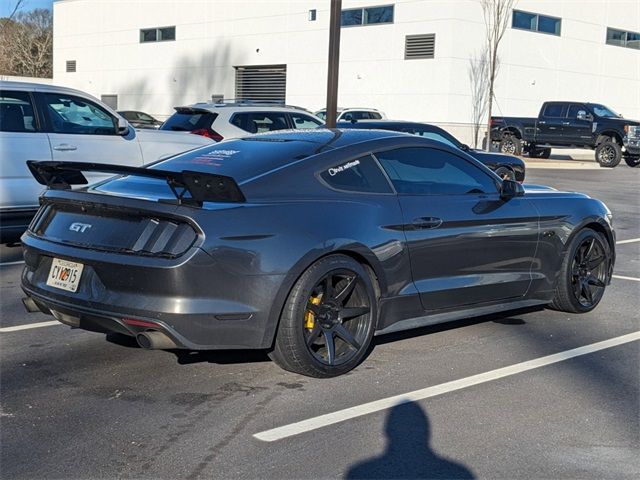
(632, 161)
(540, 153)
(511, 144)
(505, 173)
(608, 154)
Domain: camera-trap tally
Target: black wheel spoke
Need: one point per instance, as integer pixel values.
(577, 288)
(592, 280)
(587, 292)
(314, 334)
(594, 262)
(575, 271)
(328, 290)
(352, 312)
(331, 346)
(313, 308)
(346, 291)
(589, 250)
(345, 335)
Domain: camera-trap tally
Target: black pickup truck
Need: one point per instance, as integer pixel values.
(570, 125)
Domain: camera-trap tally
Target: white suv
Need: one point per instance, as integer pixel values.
(221, 121)
(45, 122)
(353, 114)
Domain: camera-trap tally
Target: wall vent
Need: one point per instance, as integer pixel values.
(420, 46)
(71, 66)
(261, 83)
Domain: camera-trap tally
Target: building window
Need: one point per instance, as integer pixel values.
(71, 66)
(536, 22)
(419, 46)
(160, 34)
(312, 15)
(367, 16)
(622, 38)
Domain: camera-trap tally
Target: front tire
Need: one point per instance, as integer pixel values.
(585, 273)
(328, 320)
(608, 154)
(632, 161)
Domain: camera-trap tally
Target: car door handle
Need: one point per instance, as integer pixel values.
(566, 123)
(542, 122)
(426, 222)
(65, 147)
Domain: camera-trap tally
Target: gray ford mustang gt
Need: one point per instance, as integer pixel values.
(306, 244)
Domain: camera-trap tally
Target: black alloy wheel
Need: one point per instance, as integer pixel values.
(586, 271)
(511, 145)
(608, 154)
(337, 318)
(328, 321)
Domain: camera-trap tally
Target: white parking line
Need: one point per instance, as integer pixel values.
(29, 326)
(622, 277)
(6, 264)
(385, 403)
(631, 240)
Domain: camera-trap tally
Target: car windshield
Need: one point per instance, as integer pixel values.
(602, 111)
(145, 117)
(321, 115)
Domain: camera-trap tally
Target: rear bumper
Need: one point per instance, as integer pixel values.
(192, 299)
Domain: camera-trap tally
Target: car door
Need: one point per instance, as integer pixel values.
(467, 245)
(21, 139)
(577, 127)
(82, 130)
(551, 123)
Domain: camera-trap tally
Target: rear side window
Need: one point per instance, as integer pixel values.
(430, 171)
(16, 112)
(359, 175)
(304, 121)
(554, 110)
(187, 121)
(258, 122)
(75, 115)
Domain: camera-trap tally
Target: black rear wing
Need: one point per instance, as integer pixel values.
(189, 187)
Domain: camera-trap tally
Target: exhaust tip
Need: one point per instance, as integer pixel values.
(30, 304)
(155, 340)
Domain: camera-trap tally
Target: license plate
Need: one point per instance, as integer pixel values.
(65, 275)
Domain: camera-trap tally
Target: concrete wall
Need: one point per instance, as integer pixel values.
(214, 36)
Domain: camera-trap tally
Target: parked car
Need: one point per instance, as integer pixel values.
(226, 120)
(305, 244)
(45, 122)
(140, 119)
(571, 125)
(353, 114)
(505, 166)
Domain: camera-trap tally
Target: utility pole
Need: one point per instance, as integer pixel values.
(334, 63)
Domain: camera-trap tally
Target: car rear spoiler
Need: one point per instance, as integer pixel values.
(189, 187)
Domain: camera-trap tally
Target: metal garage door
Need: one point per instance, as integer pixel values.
(260, 83)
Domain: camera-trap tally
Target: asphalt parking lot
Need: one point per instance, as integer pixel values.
(75, 405)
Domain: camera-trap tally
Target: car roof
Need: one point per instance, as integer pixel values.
(219, 107)
(39, 87)
(256, 155)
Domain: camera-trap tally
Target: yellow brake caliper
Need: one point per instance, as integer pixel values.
(309, 319)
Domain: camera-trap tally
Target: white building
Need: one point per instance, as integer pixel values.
(154, 55)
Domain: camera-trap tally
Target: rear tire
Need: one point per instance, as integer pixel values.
(328, 320)
(608, 154)
(510, 144)
(632, 161)
(585, 273)
(540, 153)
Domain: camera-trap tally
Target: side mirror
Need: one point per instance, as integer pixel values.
(582, 115)
(510, 189)
(123, 126)
(465, 147)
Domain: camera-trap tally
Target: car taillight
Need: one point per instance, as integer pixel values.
(212, 134)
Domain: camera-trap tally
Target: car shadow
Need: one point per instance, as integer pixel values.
(408, 452)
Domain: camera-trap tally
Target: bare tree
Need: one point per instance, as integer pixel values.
(478, 79)
(26, 44)
(496, 19)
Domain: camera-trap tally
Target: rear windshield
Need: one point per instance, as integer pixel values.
(240, 159)
(185, 121)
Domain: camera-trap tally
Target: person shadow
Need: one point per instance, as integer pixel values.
(408, 453)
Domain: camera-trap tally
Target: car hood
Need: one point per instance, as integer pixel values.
(621, 121)
(176, 138)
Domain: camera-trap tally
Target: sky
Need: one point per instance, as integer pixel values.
(7, 6)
